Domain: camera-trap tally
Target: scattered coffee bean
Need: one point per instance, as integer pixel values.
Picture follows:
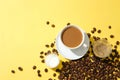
(39, 75)
(53, 50)
(111, 36)
(50, 79)
(53, 25)
(99, 31)
(34, 67)
(43, 61)
(38, 71)
(41, 52)
(47, 22)
(105, 38)
(115, 46)
(117, 42)
(46, 53)
(52, 45)
(92, 31)
(68, 23)
(89, 35)
(58, 70)
(41, 56)
(47, 45)
(13, 71)
(46, 70)
(20, 68)
(54, 75)
(49, 51)
(109, 27)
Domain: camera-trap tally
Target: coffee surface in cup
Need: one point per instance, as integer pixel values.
(72, 37)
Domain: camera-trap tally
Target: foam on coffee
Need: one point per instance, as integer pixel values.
(72, 37)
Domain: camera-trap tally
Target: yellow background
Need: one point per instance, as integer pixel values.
(23, 29)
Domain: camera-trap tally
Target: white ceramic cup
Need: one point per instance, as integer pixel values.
(73, 53)
(82, 44)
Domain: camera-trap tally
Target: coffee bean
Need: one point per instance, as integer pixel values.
(38, 71)
(49, 52)
(117, 42)
(89, 35)
(13, 71)
(115, 46)
(99, 31)
(39, 75)
(68, 23)
(105, 38)
(111, 36)
(34, 67)
(43, 61)
(41, 52)
(50, 79)
(20, 68)
(41, 56)
(52, 45)
(47, 45)
(94, 37)
(54, 75)
(53, 50)
(109, 27)
(53, 25)
(92, 31)
(47, 22)
(46, 53)
(58, 70)
(46, 70)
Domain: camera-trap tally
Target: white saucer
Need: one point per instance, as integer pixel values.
(65, 52)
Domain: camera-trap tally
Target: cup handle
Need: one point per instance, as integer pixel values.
(85, 45)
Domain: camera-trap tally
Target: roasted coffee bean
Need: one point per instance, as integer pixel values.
(41, 56)
(20, 68)
(105, 38)
(47, 45)
(54, 50)
(46, 70)
(109, 27)
(49, 51)
(111, 36)
(50, 79)
(46, 53)
(92, 31)
(41, 52)
(115, 46)
(99, 31)
(34, 67)
(39, 75)
(38, 71)
(13, 71)
(52, 45)
(47, 22)
(117, 42)
(58, 70)
(94, 37)
(68, 23)
(54, 75)
(43, 61)
(89, 35)
(53, 25)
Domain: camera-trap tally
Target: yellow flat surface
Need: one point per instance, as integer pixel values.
(23, 30)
